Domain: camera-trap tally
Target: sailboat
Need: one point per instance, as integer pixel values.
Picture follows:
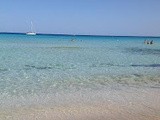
(31, 33)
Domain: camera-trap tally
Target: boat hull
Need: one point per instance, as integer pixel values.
(30, 33)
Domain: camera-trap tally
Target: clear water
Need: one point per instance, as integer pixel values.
(49, 64)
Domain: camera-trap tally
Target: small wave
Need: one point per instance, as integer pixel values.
(66, 48)
(105, 65)
(138, 80)
(56, 66)
(39, 68)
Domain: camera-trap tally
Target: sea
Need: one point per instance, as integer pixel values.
(41, 69)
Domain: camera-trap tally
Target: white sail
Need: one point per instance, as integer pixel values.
(31, 33)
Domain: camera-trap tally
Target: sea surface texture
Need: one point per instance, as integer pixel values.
(37, 69)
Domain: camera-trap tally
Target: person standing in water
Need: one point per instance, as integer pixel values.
(148, 42)
(151, 42)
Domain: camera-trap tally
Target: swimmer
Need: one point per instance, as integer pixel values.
(151, 42)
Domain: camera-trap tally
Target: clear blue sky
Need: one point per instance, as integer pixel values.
(102, 17)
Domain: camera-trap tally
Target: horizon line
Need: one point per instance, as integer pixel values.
(82, 34)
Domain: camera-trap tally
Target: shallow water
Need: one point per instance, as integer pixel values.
(50, 64)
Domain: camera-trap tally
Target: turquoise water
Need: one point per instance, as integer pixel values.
(49, 64)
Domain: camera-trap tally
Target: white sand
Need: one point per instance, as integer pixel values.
(128, 104)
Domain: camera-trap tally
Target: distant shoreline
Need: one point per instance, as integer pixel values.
(51, 34)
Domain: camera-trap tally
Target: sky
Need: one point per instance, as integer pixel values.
(89, 17)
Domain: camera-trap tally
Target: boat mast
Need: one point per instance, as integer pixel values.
(31, 26)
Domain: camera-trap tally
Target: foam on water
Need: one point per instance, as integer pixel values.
(41, 64)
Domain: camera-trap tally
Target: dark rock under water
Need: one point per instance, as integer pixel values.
(150, 65)
(143, 51)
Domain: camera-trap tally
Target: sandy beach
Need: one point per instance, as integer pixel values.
(124, 104)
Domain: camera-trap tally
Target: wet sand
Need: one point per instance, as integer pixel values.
(124, 104)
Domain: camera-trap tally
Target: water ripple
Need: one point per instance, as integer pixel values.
(3, 69)
(39, 68)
